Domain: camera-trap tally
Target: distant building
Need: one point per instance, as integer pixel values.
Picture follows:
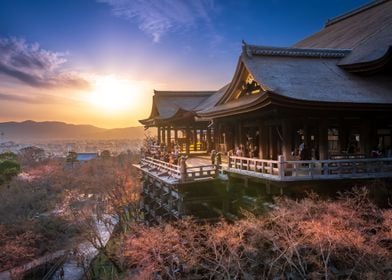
(82, 157)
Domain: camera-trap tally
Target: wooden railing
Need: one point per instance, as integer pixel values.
(202, 171)
(161, 166)
(267, 168)
(312, 169)
(281, 170)
(338, 169)
(193, 173)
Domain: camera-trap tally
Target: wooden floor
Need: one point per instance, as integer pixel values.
(204, 160)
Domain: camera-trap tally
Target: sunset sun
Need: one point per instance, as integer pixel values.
(112, 94)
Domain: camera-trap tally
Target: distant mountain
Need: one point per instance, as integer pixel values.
(31, 130)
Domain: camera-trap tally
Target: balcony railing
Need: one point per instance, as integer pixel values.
(279, 170)
(283, 170)
(183, 174)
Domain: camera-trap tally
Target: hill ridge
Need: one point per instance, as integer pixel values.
(46, 130)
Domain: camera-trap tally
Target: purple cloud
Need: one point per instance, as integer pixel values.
(37, 67)
(157, 17)
(33, 98)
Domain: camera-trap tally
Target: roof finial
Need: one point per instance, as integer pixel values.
(246, 49)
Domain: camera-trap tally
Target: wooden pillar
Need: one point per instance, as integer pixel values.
(168, 140)
(265, 137)
(373, 135)
(306, 135)
(286, 141)
(343, 135)
(187, 140)
(195, 139)
(364, 132)
(323, 140)
(203, 139)
(270, 142)
(217, 137)
(261, 141)
(275, 142)
(176, 135)
(159, 134)
(163, 138)
(208, 139)
(240, 132)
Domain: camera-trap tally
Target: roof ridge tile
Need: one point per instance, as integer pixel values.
(354, 12)
(251, 50)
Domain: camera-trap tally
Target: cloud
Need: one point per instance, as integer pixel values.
(17, 98)
(34, 66)
(35, 98)
(157, 17)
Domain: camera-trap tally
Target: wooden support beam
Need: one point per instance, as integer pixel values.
(323, 139)
(261, 140)
(195, 139)
(208, 139)
(270, 142)
(159, 134)
(168, 140)
(343, 134)
(286, 135)
(188, 140)
(163, 138)
(240, 134)
(364, 137)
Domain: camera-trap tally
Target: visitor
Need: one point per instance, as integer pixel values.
(218, 158)
(212, 155)
(301, 151)
(238, 152)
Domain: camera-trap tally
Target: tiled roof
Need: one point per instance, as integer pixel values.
(367, 31)
(251, 50)
(169, 104)
(317, 70)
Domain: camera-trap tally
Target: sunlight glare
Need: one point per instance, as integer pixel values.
(113, 94)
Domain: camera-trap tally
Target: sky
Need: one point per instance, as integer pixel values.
(98, 61)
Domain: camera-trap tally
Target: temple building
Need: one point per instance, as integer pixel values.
(173, 113)
(320, 109)
(330, 93)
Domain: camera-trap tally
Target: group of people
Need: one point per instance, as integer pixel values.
(162, 152)
(250, 149)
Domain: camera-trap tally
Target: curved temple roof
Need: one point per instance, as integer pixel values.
(169, 105)
(366, 30)
(309, 75)
(321, 70)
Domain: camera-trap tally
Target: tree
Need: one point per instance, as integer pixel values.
(8, 156)
(71, 157)
(31, 155)
(8, 169)
(110, 195)
(105, 154)
(348, 238)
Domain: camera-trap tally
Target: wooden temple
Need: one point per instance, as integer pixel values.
(173, 114)
(320, 109)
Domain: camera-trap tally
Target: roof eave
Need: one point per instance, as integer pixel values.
(367, 65)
